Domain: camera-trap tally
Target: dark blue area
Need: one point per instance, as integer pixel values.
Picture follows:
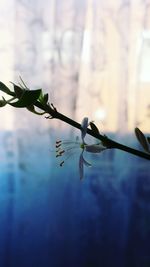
(57, 220)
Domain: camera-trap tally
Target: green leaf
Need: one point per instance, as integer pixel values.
(2, 103)
(43, 98)
(94, 128)
(18, 91)
(5, 89)
(28, 98)
(32, 109)
(24, 86)
(142, 139)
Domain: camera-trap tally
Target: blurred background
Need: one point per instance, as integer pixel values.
(93, 58)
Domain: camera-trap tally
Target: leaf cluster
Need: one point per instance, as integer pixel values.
(23, 97)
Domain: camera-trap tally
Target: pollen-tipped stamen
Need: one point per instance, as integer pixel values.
(61, 152)
(58, 145)
(58, 141)
(58, 155)
(69, 155)
(66, 147)
(61, 163)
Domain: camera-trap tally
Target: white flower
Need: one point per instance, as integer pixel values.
(69, 147)
(94, 148)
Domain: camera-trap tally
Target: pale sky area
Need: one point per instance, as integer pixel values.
(101, 64)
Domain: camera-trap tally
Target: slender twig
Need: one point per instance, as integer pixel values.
(54, 114)
(106, 141)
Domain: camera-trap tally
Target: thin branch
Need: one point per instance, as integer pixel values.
(106, 141)
(53, 113)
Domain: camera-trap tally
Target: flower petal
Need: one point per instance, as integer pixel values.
(86, 163)
(94, 148)
(82, 162)
(84, 126)
(81, 167)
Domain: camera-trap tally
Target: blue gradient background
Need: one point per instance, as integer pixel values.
(51, 218)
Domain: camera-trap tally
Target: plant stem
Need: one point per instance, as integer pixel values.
(106, 141)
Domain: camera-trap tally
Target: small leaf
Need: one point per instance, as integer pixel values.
(2, 103)
(5, 89)
(28, 98)
(32, 109)
(94, 128)
(142, 139)
(41, 97)
(45, 98)
(18, 91)
(24, 85)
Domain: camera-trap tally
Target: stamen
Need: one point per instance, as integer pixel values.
(58, 155)
(72, 148)
(58, 145)
(57, 150)
(61, 163)
(61, 152)
(70, 142)
(58, 142)
(70, 154)
(66, 147)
